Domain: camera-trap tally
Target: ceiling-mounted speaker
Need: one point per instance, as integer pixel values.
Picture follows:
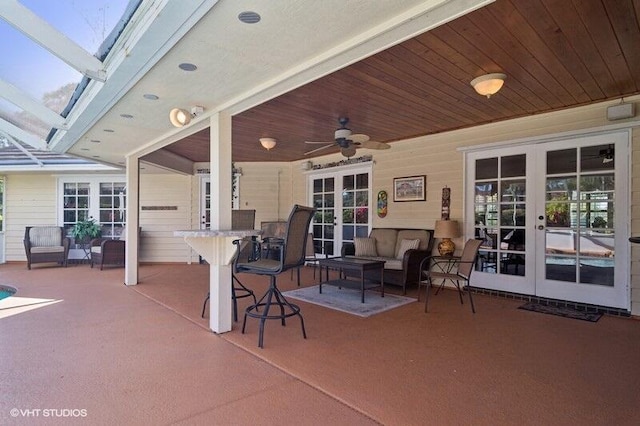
(621, 111)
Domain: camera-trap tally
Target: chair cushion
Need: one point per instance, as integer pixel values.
(407, 245)
(365, 246)
(96, 249)
(44, 236)
(48, 249)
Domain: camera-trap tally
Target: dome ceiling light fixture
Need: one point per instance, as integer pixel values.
(268, 143)
(488, 84)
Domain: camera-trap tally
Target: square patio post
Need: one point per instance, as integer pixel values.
(220, 309)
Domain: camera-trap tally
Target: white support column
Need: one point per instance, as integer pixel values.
(132, 243)
(220, 309)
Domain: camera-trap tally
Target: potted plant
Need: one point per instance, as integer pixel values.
(85, 230)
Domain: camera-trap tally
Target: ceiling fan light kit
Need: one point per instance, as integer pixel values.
(488, 84)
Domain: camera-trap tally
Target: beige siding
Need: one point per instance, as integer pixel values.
(266, 187)
(158, 243)
(30, 200)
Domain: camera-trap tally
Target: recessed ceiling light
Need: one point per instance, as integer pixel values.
(150, 96)
(126, 115)
(249, 17)
(185, 66)
(108, 130)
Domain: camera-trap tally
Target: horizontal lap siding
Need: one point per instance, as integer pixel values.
(165, 190)
(266, 187)
(30, 200)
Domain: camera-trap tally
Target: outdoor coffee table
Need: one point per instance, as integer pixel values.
(352, 264)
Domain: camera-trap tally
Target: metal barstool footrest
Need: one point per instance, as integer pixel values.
(287, 310)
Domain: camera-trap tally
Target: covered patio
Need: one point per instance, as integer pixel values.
(143, 354)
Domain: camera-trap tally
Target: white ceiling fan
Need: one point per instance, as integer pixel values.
(347, 141)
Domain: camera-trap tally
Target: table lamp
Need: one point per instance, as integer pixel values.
(446, 229)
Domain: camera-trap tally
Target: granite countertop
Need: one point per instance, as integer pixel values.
(208, 233)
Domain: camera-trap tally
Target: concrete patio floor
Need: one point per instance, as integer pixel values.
(111, 354)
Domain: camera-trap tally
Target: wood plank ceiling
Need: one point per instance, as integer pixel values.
(556, 54)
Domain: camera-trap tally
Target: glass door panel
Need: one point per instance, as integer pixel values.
(323, 221)
(500, 201)
(581, 243)
(580, 235)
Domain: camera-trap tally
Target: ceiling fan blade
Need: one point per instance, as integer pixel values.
(317, 142)
(358, 138)
(375, 145)
(319, 149)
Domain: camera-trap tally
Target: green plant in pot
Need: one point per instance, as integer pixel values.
(86, 230)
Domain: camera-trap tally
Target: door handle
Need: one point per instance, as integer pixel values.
(541, 227)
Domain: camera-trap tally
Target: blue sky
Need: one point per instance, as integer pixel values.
(28, 66)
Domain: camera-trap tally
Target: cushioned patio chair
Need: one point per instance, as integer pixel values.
(292, 256)
(105, 251)
(46, 244)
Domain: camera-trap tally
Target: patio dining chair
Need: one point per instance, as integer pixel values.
(451, 268)
(292, 255)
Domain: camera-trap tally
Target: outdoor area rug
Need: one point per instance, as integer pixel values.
(349, 300)
(561, 311)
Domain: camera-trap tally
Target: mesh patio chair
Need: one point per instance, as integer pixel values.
(292, 256)
(455, 269)
(309, 258)
(240, 219)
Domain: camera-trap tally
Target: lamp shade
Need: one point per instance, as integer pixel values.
(488, 84)
(446, 229)
(268, 143)
(179, 117)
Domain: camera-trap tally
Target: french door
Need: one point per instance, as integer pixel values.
(205, 202)
(342, 200)
(553, 218)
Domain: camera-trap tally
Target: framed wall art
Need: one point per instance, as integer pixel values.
(411, 188)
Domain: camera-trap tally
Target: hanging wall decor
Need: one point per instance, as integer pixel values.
(382, 203)
(410, 188)
(446, 202)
